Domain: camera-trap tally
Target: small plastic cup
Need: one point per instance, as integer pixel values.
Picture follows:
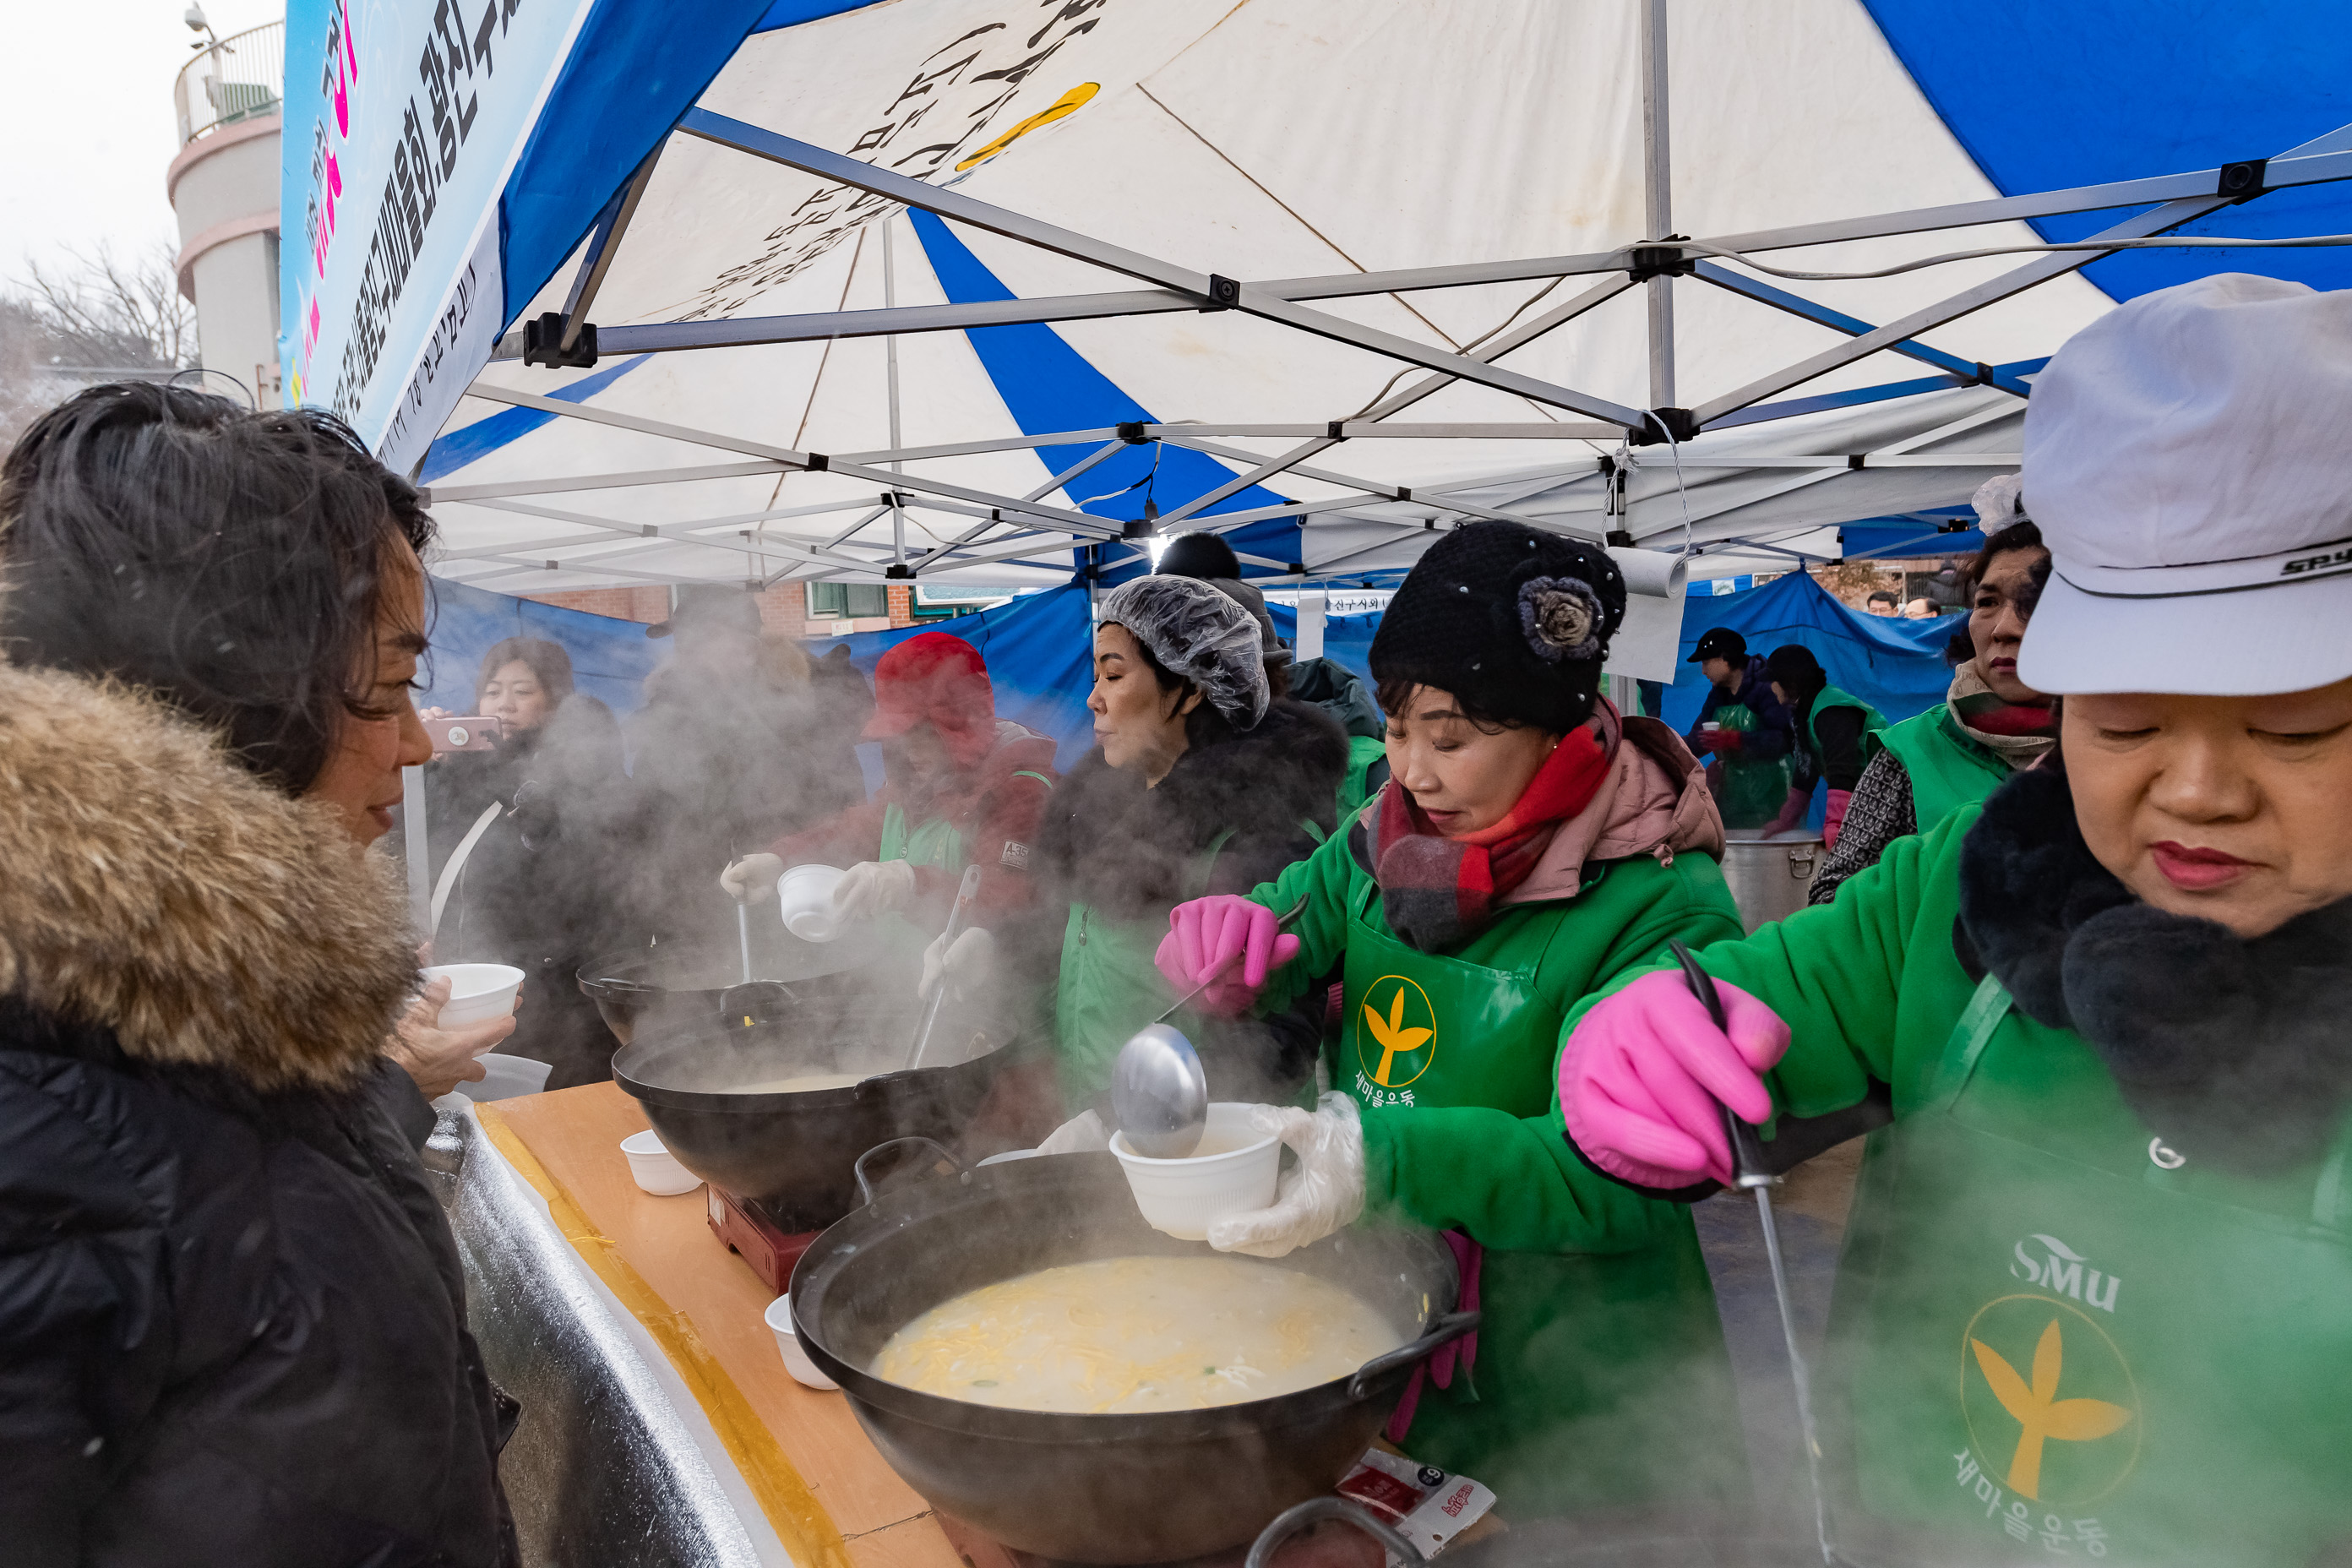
(655, 1169)
(478, 992)
(1184, 1197)
(796, 1359)
(505, 1078)
(805, 893)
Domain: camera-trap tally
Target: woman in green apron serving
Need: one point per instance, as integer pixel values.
(2096, 1296)
(1203, 777)
(1835, 732)
(1531, 844)
(962, 788)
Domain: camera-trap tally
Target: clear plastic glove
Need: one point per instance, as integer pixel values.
(440, 1060)
(966, 964)
(1834, 817)
(1644, 1076)
(1081, 1134)
(1326, 1191)
(872, 888)
(1206, 935)
(752, 878)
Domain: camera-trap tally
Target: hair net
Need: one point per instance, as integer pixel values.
(1198, 633)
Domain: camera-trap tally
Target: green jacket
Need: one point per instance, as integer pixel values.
(1600, 1377)
(2045, 1318)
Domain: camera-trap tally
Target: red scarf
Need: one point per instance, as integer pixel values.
(1439, 892)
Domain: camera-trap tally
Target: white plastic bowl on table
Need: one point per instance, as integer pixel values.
(805, 895)
(1184, 1197)
(797, 1360)
(478, 992)
(655, 1168)
(505, 1078)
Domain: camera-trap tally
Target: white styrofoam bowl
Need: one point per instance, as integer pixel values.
(655, 1168)
(779, 1315)
(478, 992)
(1184, 1197)
(805, 893)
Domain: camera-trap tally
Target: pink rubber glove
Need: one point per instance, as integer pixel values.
(1206, 935)
(1792, 812)
(1834, 817)
(1642, 1079)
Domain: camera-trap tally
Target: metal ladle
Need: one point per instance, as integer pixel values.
(1752, 1172)
(1158, 1092)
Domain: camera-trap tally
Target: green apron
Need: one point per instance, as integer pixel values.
(1109, 986)
(2063, 1337)
(1947, 770)
(1600, 1379)
(932, 842)
(1753, 790)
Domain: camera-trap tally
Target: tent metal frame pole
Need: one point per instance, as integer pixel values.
(969, 449)
(1518, 337)
(1370, 486)
(435, 495)
(645, 538)
(681, 531)
(603, 245)
(1974, 371)
(1657, 197)
(890, 369)
(1212, 292)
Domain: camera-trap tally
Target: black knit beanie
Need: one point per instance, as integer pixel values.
(1198, 554)
(1512, 621)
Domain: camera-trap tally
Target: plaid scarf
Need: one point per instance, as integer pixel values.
(2017, 734)
(1439, 892)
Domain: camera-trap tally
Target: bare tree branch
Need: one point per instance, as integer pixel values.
(95, 318)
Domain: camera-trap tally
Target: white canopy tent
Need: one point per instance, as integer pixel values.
(1327, 275)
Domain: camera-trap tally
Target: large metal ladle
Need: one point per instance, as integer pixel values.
(1158, 1092)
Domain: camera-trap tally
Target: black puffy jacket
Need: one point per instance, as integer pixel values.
(232, 1319)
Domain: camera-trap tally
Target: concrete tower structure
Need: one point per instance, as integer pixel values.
(223, 186)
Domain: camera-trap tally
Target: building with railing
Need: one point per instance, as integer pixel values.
(224, 187)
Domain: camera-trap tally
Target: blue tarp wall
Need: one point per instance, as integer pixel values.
(1040, 652)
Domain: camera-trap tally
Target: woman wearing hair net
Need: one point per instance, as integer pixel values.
(1202, 780)
(2096, 1294)
(1530, 845)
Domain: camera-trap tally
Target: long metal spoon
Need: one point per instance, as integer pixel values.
(966, 890)
(1750, 1173)
(1159, 1095)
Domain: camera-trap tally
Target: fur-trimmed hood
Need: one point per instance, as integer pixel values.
(150, 887)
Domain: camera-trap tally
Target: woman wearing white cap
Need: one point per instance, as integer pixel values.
(2097, 1295)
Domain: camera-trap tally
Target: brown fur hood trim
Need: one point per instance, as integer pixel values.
(150, 886)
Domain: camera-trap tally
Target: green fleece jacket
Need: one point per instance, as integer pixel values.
(1600, 1377)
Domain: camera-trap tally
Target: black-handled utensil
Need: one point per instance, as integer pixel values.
(1751, 1173)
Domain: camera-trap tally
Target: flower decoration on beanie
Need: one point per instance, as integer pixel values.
(1562, 617)
(1508, 618)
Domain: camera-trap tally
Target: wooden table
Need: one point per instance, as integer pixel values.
(832, 1500)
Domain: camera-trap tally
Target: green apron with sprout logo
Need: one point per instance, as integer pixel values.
(932, 842)
(1753, 790)
(1570, 1341)
(2059, 1337)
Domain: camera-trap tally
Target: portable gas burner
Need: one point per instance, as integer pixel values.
(753, 1232)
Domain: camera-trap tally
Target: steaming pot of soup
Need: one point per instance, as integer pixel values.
(1035, 1358)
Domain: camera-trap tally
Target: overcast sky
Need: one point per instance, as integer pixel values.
(86, 118)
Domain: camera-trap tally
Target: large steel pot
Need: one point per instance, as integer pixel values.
(794, 1152)
(1154, 1488)
(677, 986)
(1769, 876)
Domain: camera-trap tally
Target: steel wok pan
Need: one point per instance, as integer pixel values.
(1130, 1488)
(681, 985)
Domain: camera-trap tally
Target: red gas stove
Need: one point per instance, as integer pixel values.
(753, 1232)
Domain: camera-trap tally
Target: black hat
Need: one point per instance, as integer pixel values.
(1720, 643)
(1512, 621)
(1198, 554)
(710, 608)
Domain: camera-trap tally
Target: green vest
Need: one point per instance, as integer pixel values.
(1873, 722)
(932, 842)
(1363, 750)
(1948, 769)
(1109, 986)
(1600, 1377)
(2069, 1332)
(2188, 1407)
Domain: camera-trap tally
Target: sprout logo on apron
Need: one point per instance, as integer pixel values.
(2049, 1400)
(1396, 1032)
